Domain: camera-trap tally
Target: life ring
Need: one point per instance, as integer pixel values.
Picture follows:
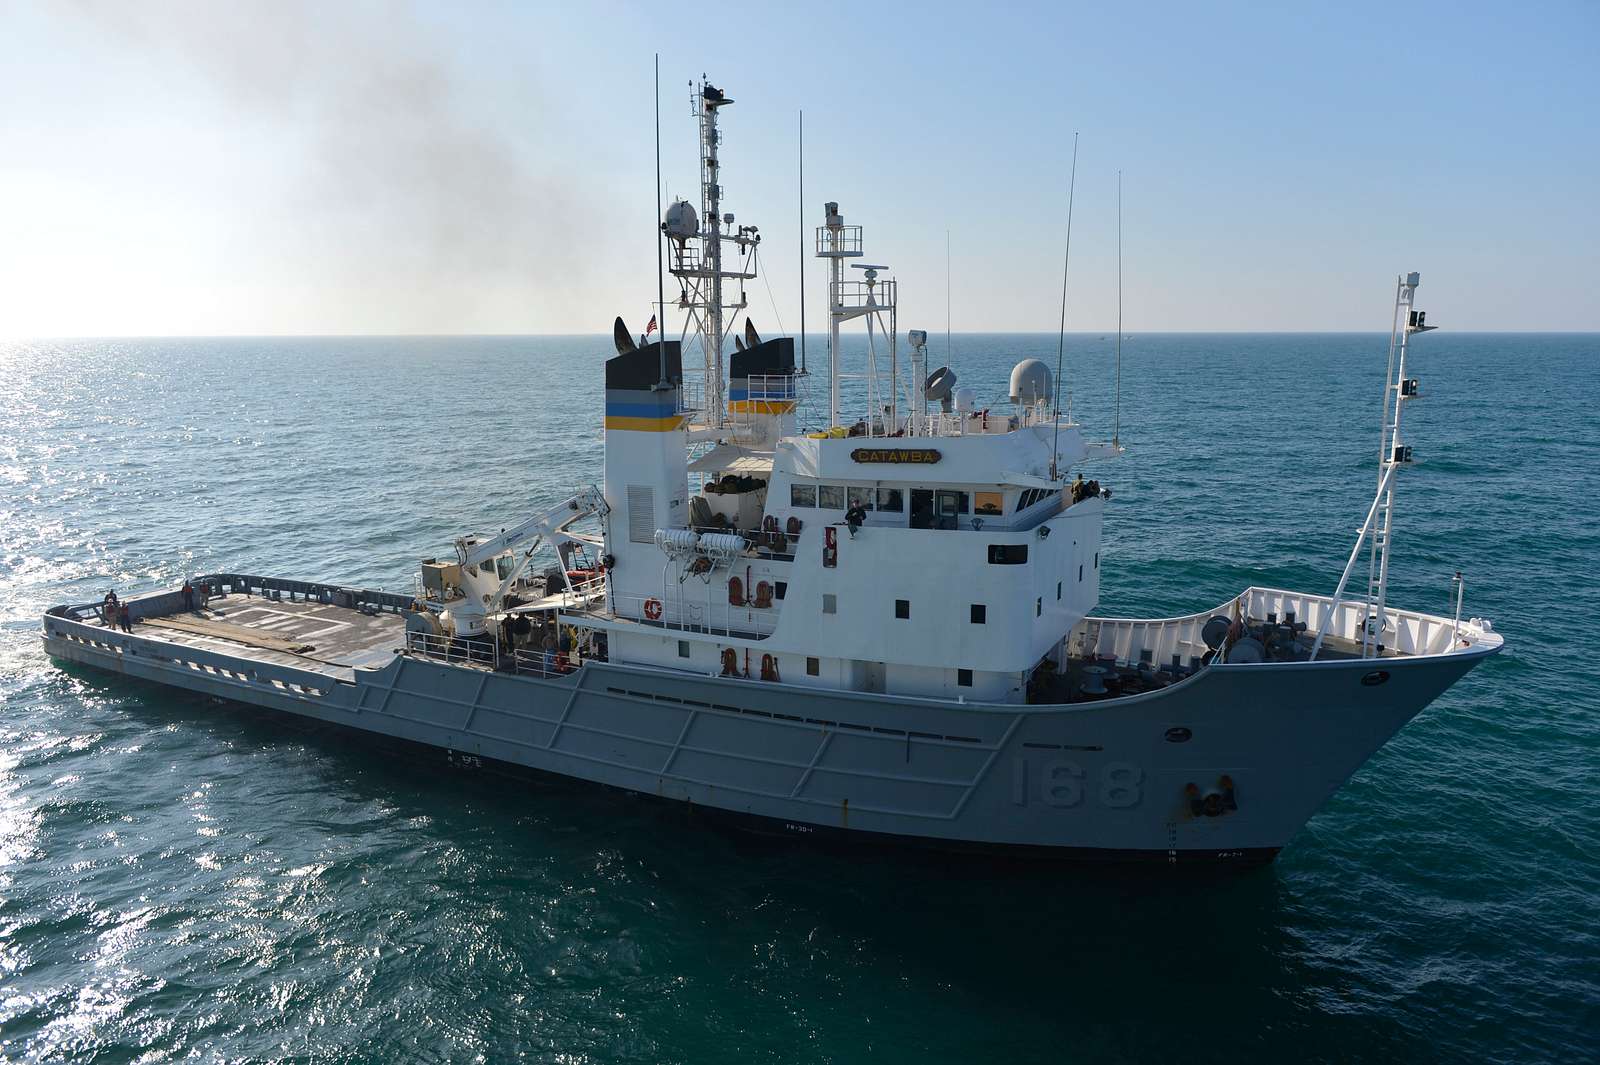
(652, 609)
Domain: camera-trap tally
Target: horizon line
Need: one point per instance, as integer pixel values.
(606, 336)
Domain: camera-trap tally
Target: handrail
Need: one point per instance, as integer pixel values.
(546, 664)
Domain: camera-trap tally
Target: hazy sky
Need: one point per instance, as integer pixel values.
(296, 167)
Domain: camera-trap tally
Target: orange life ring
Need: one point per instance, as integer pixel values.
(652, 609)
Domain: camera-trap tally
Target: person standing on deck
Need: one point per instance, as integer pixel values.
(124, 618)
(108, 610)
(855, 517)
(188, 596)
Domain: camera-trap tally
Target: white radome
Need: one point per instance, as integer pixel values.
(682, 222)
(1030, 382)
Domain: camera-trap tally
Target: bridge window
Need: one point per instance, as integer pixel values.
(1008, 554)
(830, 497)
(980, 614)
(780, 589)
(987, 503)
(813, 667)
(902, 608)
(802, 495)
(891, 499)
(683, 648)
(964, 678)
(830, 603)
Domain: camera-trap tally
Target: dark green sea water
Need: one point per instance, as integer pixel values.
(182, 878)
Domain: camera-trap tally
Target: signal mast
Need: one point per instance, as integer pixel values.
(696, 257)
(1393, 454)
(872, 298)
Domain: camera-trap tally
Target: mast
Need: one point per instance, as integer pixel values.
(872, 298)
(836, 242)
(1393, 453)
(697, 259)
(709, 101)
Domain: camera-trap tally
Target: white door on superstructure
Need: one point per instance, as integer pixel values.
(873, 677)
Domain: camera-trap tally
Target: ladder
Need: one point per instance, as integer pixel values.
(1393, 453)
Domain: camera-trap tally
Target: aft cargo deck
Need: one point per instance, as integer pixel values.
(317, 628)
(312, 635)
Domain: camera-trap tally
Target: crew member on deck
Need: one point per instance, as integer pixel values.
(188, 596)
(855, 517)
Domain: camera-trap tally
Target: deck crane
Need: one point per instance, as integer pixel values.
(490, 567)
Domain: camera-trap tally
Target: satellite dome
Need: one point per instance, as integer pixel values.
(1030, 382)
(681, 221)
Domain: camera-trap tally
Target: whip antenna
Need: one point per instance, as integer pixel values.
(661, 237)
(802, 242)
(1061, 340)
(1116, 420)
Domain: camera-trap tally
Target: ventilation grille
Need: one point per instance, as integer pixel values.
(641, 514)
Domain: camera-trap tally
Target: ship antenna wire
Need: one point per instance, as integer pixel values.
(1116, 420)
(947, 297)
(1061, 340)
(661, 237)
(802, 154)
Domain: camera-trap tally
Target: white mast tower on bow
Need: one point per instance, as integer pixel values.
(1393, 453)
(696, 257)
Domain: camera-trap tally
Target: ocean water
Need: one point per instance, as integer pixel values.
(182, 878)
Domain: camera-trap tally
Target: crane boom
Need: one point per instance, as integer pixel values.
(547, 525)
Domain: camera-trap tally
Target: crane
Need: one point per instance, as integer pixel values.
(485, 580)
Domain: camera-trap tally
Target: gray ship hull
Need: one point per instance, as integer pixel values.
(1114, 779)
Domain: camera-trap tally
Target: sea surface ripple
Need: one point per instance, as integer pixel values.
(183, 878)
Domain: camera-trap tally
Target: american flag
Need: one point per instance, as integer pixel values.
(651, 328)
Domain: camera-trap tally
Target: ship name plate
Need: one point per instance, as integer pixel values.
(913, 456)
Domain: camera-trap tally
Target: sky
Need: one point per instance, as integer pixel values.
(189, 167)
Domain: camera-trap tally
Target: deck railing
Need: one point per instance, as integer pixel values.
(1161, 642)
(321, 591)
(490, 655)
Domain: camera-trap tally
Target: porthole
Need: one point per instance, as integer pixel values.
(1375, 678)
(1179, 734)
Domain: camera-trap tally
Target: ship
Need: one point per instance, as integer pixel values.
(880, 630)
